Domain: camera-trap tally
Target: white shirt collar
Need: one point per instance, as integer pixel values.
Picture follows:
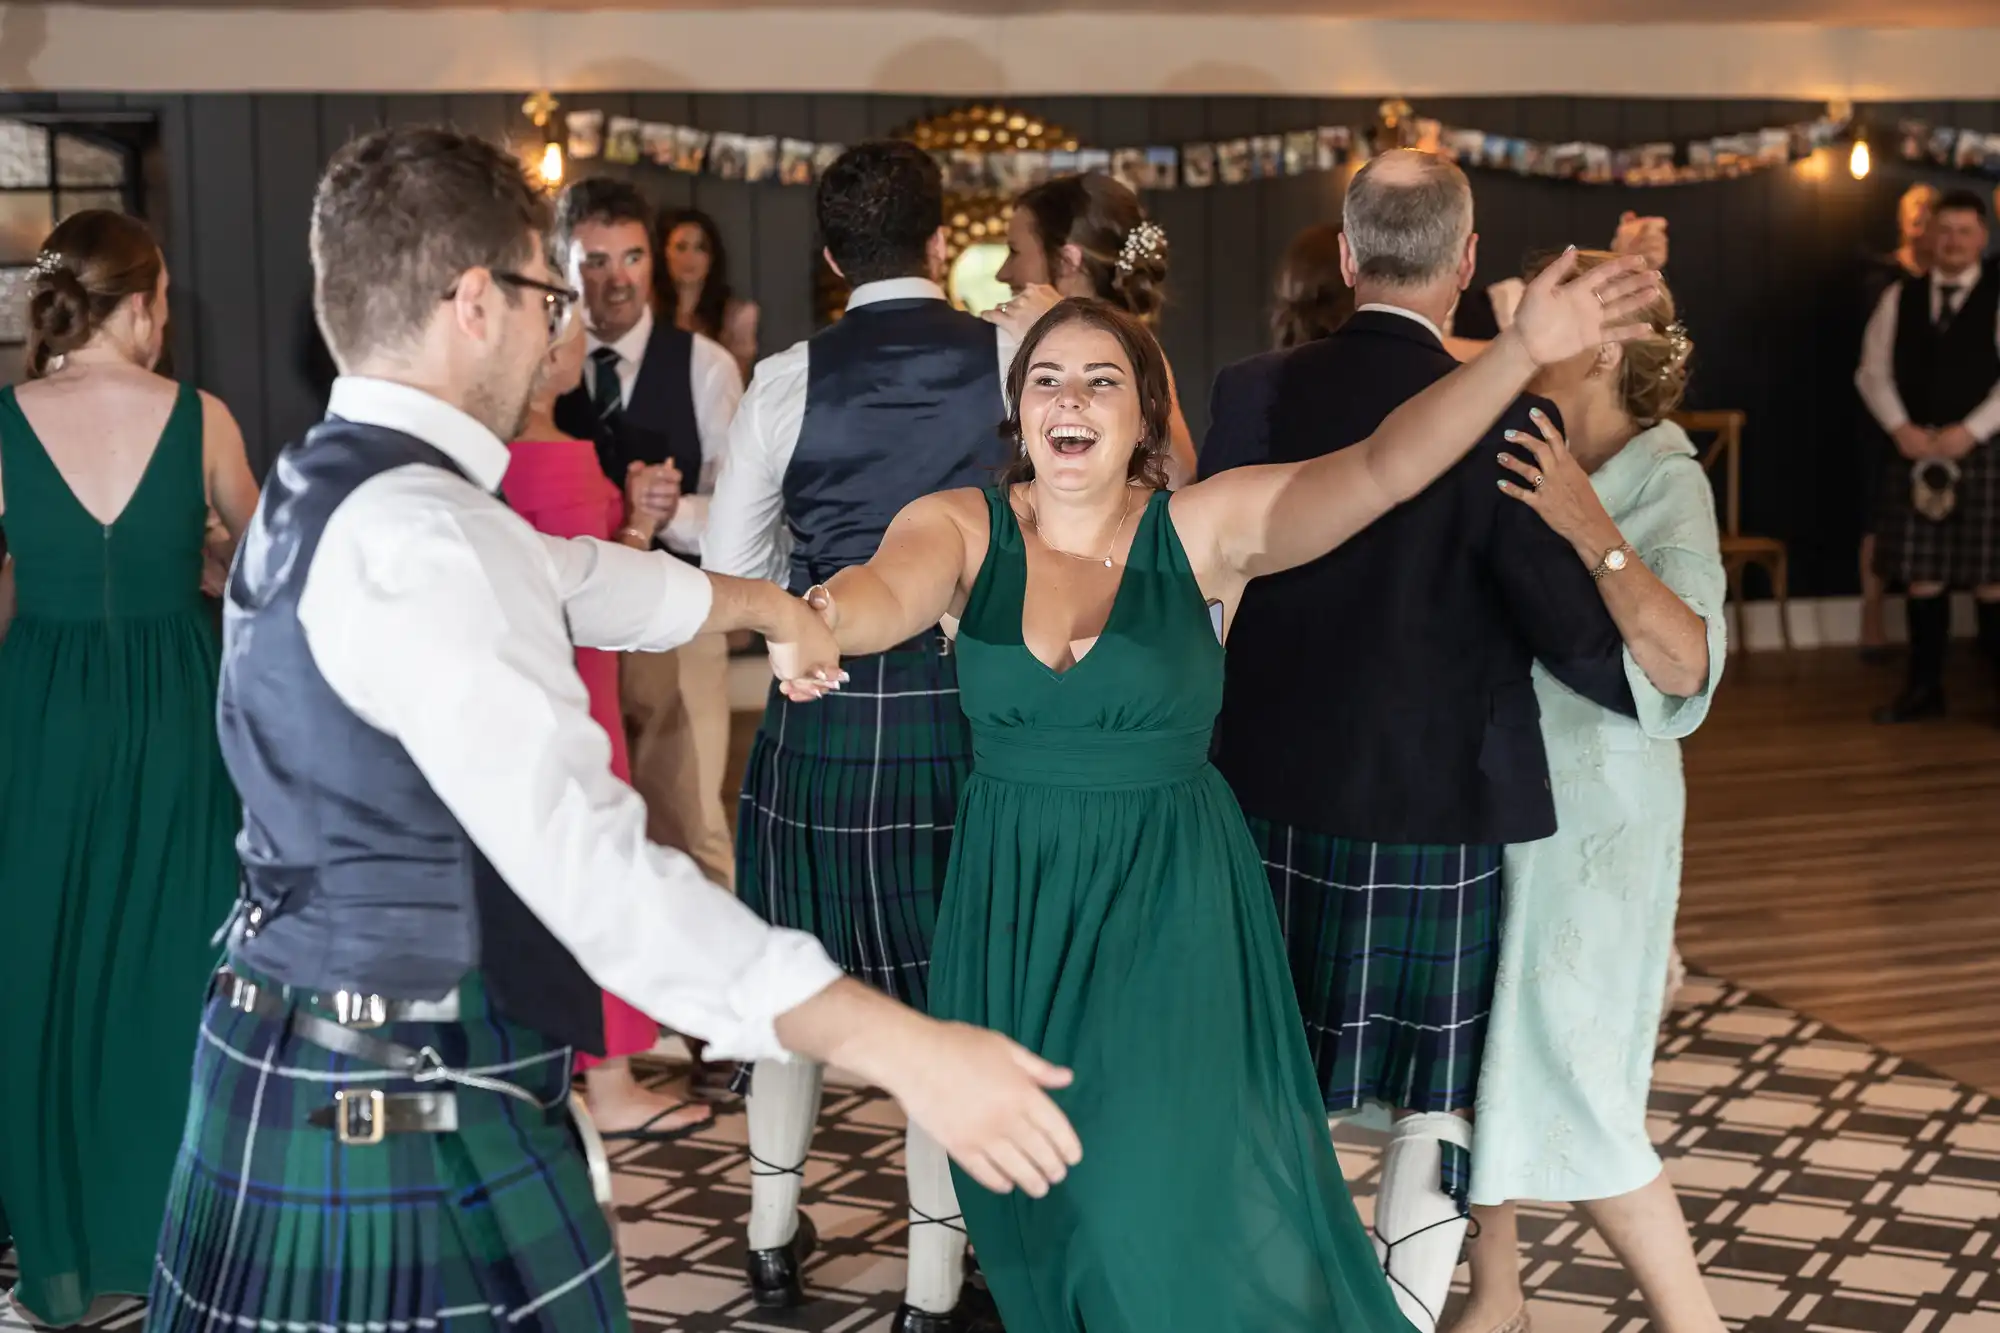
(1385, 308)
(393, 406)
(895, 289)
(631, 346)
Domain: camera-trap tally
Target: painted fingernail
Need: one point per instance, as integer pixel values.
(844, 678)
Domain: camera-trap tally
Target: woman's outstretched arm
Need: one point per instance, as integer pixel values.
(914, 580)
(1263, 519)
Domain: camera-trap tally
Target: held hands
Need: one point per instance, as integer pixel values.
(652, 495)
(1917, 443)
(1952, 442)
(805, 657)
(1556, 487)
(1019, 314)
(1561, 315)
(984, 1100)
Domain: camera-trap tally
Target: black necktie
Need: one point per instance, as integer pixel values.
(1947, 306)
(606, 394)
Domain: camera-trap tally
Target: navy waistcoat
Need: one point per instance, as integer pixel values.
(903, 398)
(355, 875)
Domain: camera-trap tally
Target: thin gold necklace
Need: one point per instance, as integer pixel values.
(1035, 521)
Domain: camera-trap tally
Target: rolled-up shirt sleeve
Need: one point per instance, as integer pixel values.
(746, 535)
(438, 617)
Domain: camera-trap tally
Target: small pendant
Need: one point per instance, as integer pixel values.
(1107, 562)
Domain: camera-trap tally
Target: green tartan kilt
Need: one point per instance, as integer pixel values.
(272, 1223)
(1395, 950)
(844, 826)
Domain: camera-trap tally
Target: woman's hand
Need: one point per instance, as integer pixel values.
(1561, 315)
(1019, 314)
(1555, 486)
(652, 494)
(804, 656)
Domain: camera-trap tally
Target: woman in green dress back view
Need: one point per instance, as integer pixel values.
(117, 819)
(1104, 904)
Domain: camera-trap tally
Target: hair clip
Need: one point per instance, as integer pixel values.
(45, 265)
(1679, 346)
(1147, 240)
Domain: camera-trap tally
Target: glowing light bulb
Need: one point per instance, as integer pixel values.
(552, 164)
(1857, 161)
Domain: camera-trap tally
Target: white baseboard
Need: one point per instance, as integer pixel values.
(1817, 622)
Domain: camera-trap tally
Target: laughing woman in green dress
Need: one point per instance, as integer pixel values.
(116, 816)
(1104, 904)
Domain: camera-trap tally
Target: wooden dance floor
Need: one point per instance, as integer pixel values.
(1825, 1111)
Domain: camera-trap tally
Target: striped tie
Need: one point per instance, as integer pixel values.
(607, 396)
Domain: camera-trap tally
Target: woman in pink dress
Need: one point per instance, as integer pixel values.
(554, 481)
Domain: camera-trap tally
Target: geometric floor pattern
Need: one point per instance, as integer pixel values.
(1830, 1186)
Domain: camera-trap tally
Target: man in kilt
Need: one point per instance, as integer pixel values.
(845, 823)
(1379, 724)
(1930, 375)
(441, 874)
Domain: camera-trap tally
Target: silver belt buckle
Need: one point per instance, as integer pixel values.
(367, 1109)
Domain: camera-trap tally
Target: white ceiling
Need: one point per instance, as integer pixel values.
(1819, 13)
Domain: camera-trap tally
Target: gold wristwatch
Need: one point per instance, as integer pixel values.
(1614, 560)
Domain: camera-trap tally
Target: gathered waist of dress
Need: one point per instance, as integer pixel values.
(1088, 758)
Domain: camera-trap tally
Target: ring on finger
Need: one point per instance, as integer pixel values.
(1535, 482)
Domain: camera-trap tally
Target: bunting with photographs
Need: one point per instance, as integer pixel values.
(1976, 152)
(1196, 166)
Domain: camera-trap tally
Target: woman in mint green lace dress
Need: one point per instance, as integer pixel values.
(1104, 904)
(1590, 911)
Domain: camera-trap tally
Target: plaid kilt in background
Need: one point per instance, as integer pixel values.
(844, 827)
(272, 1223)
(1961, 552)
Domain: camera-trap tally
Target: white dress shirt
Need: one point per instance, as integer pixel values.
(717, 384)
(443, 620)
(747, 536)
(1876, 377)
(1387, 309)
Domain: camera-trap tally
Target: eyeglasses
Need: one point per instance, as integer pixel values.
(559, 301)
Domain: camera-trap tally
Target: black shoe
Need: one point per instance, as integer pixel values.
(1912, 705)
(975, 1313)
(774, 1274)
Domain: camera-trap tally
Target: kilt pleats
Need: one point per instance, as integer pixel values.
(272, 1224)
(1394, 952)
(1963, 551)
(845, 821)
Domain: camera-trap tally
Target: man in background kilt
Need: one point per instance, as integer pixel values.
(845, 824)
(1379, 724)
(1930, 375)
(440, 871)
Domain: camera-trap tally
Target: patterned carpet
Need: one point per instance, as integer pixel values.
(1831, 1186)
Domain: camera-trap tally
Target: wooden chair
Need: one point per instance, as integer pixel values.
(1739, 551)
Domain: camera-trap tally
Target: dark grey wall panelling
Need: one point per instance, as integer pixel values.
(1764, 268)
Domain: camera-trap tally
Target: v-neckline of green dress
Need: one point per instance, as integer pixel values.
(1020, 551)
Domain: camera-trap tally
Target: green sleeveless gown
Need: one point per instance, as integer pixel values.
(1105, 907)
(117, 821)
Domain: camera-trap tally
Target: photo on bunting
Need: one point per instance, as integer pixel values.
(586, 133)
(1267, 157)
(1334, 142)
(825, 156)
(1992, 164)
(659, 143)
(1651, 164)
(1463, 146)
(621, 141)
(1033, 167)
(1597, 163)
(1301, 152)
(1499, 152)
(760, 158)
(1564, 161)
(1970, 152)
(690, 149)
(1093, 159)
(1941, 143)
(1062, 162)
(795, 162)
(1164, 164)
(726, 154)
(1198, 165)
(1914, 134)
(1232, 161)
(1130, 168)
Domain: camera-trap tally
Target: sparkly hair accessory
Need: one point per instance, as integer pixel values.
(1147, 241)
(1679, 345)
(46, 264)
